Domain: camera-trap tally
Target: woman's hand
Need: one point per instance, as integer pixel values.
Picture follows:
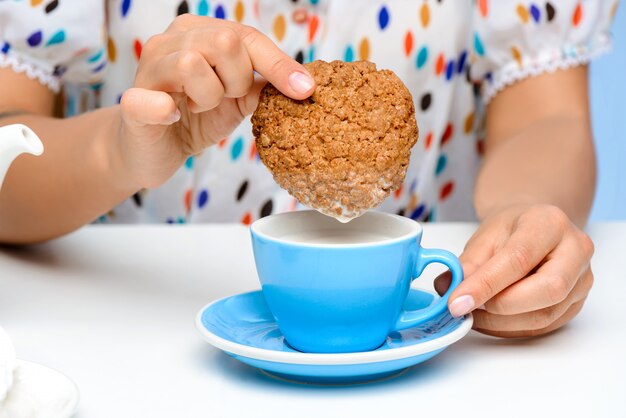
(529, 267)
(194, 85)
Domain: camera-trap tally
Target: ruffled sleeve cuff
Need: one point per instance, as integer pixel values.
(515, 40)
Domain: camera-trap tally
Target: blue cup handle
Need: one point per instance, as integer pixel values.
(426, 256)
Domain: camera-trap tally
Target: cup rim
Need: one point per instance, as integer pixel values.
(415, 230)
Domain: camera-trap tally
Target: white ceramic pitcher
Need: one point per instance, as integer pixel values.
(15, 140)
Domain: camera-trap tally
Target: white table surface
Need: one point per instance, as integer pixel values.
(113, 307)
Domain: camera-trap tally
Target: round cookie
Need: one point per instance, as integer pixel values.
(347, 147)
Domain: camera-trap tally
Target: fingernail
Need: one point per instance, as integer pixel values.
(300, 82)
(462, 305)
(175, 117)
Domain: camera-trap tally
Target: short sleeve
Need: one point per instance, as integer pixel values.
(53, 41)
(513, 40)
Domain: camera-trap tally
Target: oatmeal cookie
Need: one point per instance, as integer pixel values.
(347, 147)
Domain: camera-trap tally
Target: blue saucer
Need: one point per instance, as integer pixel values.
(243, 327)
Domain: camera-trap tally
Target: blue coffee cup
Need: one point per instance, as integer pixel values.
(336, 288)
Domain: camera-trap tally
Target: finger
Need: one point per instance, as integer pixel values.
(539, 319)
(222, 49)
(529, 244)
(231, 112)
(442, 282)
(141, 107)
(285, 73)
(484, 242)
(185, 72)
(550, 285)
(571, 312)
(478, 249)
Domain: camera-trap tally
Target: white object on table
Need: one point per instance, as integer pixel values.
(114, 307)
(39, 392)
(31, 390)
(15, 140)
(8, 363)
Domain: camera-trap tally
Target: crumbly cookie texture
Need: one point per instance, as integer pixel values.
(347, 147)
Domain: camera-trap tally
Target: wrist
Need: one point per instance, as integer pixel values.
(109, 154)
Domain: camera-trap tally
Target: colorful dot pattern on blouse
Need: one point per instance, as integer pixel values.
(454, 55)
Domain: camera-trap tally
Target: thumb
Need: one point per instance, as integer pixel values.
(141, 107)
(248, 103)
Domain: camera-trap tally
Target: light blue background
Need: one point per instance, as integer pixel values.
(608, 104)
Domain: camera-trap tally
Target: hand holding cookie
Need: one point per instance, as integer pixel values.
(347, 147)
(194, 84)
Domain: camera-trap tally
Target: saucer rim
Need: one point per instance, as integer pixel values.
(326, 359)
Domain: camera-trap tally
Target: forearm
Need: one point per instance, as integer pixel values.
(76, 179)
(551, 161)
